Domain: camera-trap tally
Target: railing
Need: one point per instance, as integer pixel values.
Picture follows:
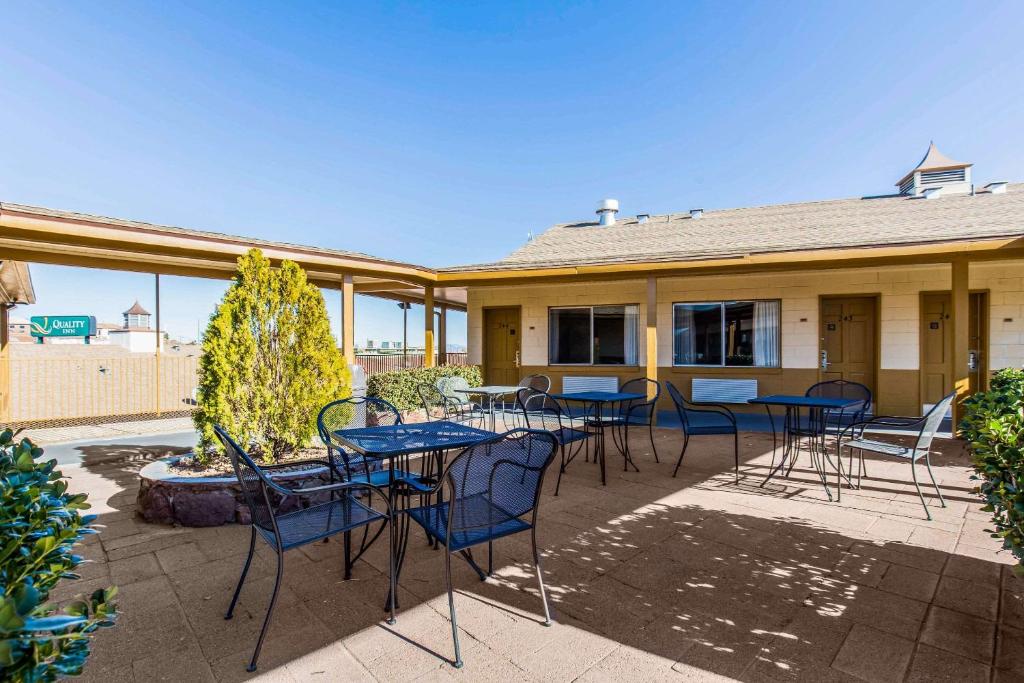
(77, 388)
(374, 363)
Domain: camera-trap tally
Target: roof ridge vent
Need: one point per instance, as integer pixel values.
(643, 217)
(997, 187)
(606, 211)
(696, 213)
(936, 171)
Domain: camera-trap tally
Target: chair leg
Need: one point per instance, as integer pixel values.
(686, 442)
(241, 579)
(451, 608)
(540, 578)
(490, 557)
(928, 464)
(270, 612)
(392, 586)
(913, 471)
(654, 449)
(348, 555)
(736, 455)
(561, 469)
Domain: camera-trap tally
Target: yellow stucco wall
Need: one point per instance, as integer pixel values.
(898, 289)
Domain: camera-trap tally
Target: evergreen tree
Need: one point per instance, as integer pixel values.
(269, 361)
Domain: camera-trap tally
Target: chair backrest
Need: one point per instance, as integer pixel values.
(354, 413)
(251, 480)
(448, 387)
(639, 386)
(538, 382)
(841, 388)
(497, 481)
(434, 402)
(681, 404)
(932, 421)
(539, 408)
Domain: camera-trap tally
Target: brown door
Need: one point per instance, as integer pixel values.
(937, 344)
(501, 346)
(848, 340)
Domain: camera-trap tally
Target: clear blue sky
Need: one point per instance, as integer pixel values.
(442, 133)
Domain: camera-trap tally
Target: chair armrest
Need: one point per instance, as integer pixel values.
(296, 463)
(330, 488)
(884, 420)
(714, 408)
(420, 488)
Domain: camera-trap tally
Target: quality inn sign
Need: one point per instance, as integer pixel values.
(62, 326)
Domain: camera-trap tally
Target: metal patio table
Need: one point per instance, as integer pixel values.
(492, 392)
(599, 400)
(818, 411)
(396, 443)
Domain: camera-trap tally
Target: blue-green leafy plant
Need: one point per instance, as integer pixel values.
(993, 423)
(39, 524)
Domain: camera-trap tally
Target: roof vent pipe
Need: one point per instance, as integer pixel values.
(696, 213)
(606, 211)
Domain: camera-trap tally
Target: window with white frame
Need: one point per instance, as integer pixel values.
(593, 335)
(726, 333)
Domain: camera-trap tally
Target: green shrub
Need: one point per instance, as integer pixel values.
(398, 387)
(39, 524)
(993, 423)
(269, 361)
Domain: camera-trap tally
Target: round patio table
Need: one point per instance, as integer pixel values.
(599, 400)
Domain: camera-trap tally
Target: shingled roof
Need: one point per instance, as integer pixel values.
(835, 224)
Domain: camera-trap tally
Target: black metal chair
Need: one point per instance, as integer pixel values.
(353, 413)
(459, 403)
(537, 382)
(439, 407)
(820, 424)
(493, 492)
(542, 411)
(711, 419)
(318, 519)
(635, 413)
(927, 426)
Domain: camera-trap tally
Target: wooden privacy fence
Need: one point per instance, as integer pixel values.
(77, 389)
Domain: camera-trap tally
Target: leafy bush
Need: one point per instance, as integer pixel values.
(269, 361)
(398, 387)
(994, 424)
(39, 524)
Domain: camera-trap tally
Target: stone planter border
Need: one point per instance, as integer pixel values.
(166, 498)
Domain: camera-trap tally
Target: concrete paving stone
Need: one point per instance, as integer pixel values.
(890, 529)
(627, 663)
(1010, 650)
(972, 569)
(970, 597)
(279, 649)
(932, 664)
(178, 557)
(909, 582)
(173, 665)
(959, 633)
(883, 611)
(330, 662)
(933, 538)
(133, 569)
(873, 655)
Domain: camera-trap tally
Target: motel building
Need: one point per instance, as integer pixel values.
(913, 292)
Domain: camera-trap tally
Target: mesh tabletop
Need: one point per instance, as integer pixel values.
(599, 396)
(394, 440)
(805, 401)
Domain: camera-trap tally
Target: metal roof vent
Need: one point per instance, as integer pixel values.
(606, 211)
(998, 187)
(643, 217)
(696, 213)
(936, 171)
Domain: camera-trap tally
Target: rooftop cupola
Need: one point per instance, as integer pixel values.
(936, 175)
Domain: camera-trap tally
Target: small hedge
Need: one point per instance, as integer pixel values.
(993, 423)
(39, 525)
(398, 387)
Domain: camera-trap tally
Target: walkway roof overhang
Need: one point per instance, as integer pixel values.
(1010, 247)
(40, 235)
(16, 283)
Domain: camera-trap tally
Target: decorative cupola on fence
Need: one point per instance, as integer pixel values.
(936, 175)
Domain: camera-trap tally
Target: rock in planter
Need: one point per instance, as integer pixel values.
(204, 508)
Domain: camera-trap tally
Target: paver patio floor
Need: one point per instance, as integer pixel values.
(649, 578)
